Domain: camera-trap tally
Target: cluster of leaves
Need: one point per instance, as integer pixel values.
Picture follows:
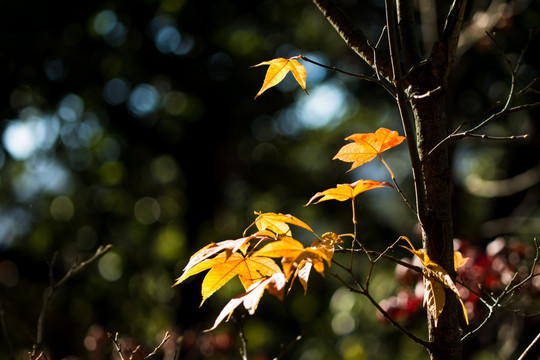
(482, 274)
(252, 257)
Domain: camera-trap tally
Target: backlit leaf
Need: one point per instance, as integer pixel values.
(275, 285)
(295, 257)
(436, 279)
(347, 191)
(459, 260)
(365, 147)
(229, 246)
(278, 223)
(249, 269)
(278, 69)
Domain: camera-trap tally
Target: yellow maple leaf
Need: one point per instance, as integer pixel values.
(278, 223)
(275, 285)
(365, 147)
(459, 260)
(436, 279)
(249, 269)
(344, 192)
(278, 69)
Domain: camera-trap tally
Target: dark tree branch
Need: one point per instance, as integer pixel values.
(54, 286)
(407, 30)
(407, 121)
(7, 339)
(380, 82)
(495, 302)
(452, 31)
(506, 109)
(355, 38)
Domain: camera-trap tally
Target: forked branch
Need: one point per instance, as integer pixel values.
(55, 285)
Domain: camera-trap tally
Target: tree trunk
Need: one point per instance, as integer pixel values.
(430, 81)
(437, 233)
(425, 83)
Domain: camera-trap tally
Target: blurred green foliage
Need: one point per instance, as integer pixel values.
(133, 123)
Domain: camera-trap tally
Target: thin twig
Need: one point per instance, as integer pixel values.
(242, 335)
(362, 77)
(529, 347)
(54, 286)
(507, 293)
(157, 348)
(287, 347)
(512, 93)
(118, 348)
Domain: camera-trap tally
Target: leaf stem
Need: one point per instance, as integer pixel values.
(377, 81)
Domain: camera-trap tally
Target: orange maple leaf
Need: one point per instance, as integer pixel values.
(367, 146)
(278, 223)
(436, 279)
(459, 260)
(278, 69)
(222, 269)
(275, 285)
(297, 260)
(347, 191)
(229, 246)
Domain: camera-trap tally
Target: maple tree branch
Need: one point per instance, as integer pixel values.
(285, 348)
(365, 292)
(159, 346)
(55, 285)
(354, 37)
(513, 70)
(407, 122)
(507, 293)
(524, 354)
(118, 348)
(407, 31)
(452, 31)
(377, 81)
(240, 326)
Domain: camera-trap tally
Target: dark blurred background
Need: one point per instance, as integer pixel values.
(133, 123)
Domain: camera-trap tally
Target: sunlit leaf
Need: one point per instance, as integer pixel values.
(365, 147)
(278, 223)
(345, 192)
(436, 279)
(249, 269)
(295, 257)
(275, 285)
(278, 69)
(459, 260)
(229, 246)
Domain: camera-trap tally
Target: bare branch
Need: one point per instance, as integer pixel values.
(452, 30)
(287, 347)
(481, 22)
(240, 327)
(362, 77)
(354, 37)
(408, 33)
(54, 286)
(536, 339)
(160, 345)
(506, 295)
(407, 122)
(506, 109)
